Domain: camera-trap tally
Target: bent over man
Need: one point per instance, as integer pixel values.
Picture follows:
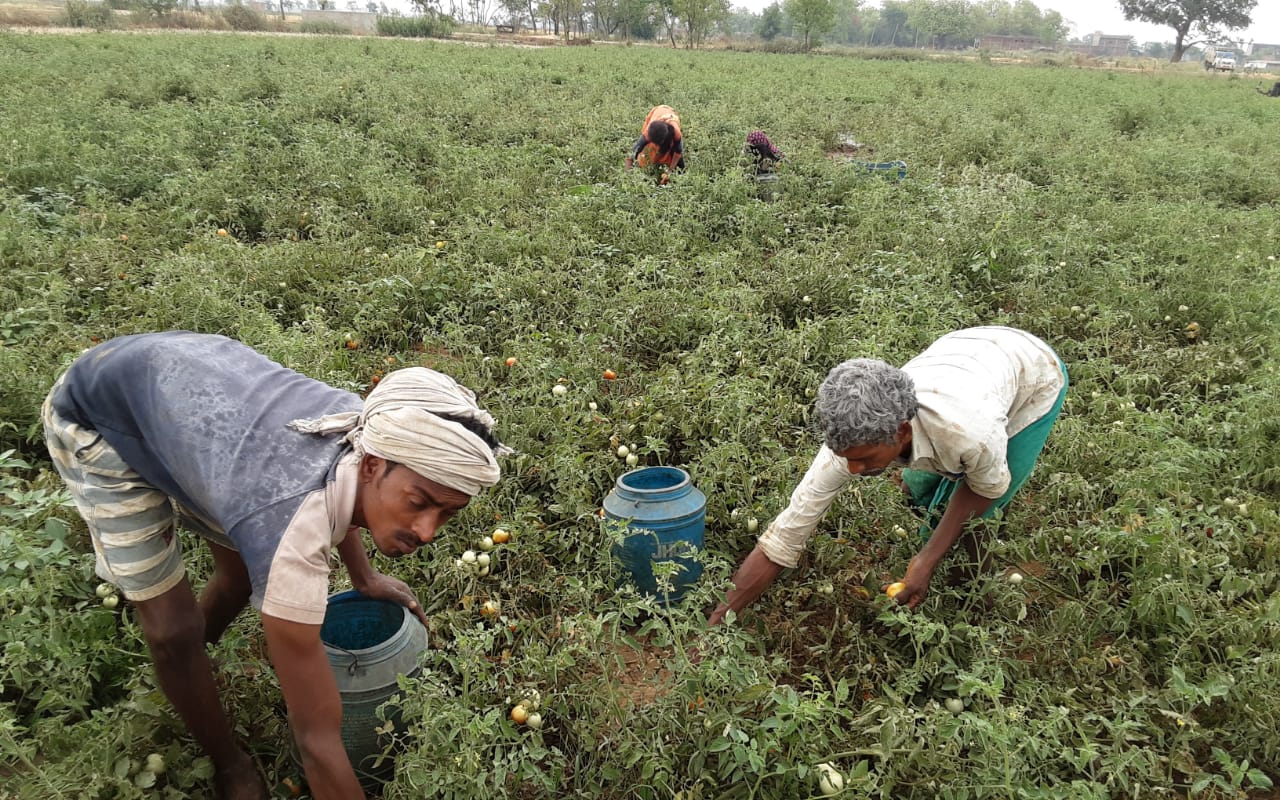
(968, 418)
(274, 470)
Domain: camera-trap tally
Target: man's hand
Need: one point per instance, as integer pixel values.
(749, 582)
(915, 585)
(385, 587)
(371, 583)
(631, 162)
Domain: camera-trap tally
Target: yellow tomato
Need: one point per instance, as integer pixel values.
(894, 588)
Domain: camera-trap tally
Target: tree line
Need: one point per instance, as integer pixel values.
(688, 23)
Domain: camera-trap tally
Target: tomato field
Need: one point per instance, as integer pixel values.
(349, 206)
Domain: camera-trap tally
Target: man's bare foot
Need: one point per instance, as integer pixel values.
(240, 781)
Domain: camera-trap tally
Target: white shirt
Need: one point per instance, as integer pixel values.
(976, 388)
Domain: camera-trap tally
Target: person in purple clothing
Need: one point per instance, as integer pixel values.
(274, 470)
(763, 152)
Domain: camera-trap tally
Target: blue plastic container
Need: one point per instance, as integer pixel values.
(894, 169)
(370, 644)
(666, 518)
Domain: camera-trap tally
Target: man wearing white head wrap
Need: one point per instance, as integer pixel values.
(156, 429)
(426, 421)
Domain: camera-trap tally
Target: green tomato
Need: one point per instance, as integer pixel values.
(104, 590)
(955, 705)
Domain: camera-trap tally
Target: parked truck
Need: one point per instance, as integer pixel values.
(1222, 59)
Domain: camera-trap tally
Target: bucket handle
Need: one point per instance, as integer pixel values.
(355, 660)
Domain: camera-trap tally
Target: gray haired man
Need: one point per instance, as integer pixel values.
(967, 418)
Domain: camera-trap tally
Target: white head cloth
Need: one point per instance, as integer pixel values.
(400, 423)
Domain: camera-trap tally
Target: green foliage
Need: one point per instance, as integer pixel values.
(88, 14)
(812, 18)
(451, 207)
(157, 8)
(325, 27)
(431, 25)
(1191, 20)
(770, 22)
(240, 17)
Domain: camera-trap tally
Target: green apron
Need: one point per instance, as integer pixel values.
(930, 492)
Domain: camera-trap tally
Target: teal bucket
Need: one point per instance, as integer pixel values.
(666, 518)
(370, 644)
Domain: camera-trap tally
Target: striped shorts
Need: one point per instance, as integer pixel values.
(131, 522)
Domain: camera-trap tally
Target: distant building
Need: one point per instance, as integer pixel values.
(356, 21)
(999, 42)
(1101, 45)
(1258, 50)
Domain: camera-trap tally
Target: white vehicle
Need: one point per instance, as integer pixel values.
(1262, 66)
(1219, 58)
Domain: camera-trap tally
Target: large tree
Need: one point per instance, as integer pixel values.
(945, 23)
(1194, 21)
(770, 22)
(696, 17)
(895, 17)
(812, 18)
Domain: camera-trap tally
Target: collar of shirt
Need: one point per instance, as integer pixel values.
(340, 496)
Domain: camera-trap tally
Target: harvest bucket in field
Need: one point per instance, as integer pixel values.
(665, 518)
(370, 644)
(888, 169)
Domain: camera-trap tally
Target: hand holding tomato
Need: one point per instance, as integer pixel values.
(914, 586)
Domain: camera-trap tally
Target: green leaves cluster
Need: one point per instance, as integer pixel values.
(452, 207)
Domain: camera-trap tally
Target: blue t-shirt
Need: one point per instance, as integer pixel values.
(204, 418)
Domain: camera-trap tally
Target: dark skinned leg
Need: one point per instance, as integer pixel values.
(175, 631)
(226, 594)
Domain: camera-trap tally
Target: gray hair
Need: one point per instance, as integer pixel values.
(864, 401)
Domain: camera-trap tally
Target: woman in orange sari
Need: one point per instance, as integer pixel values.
(661, 143)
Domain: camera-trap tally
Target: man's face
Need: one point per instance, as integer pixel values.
(872, 459)
(401, 509)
